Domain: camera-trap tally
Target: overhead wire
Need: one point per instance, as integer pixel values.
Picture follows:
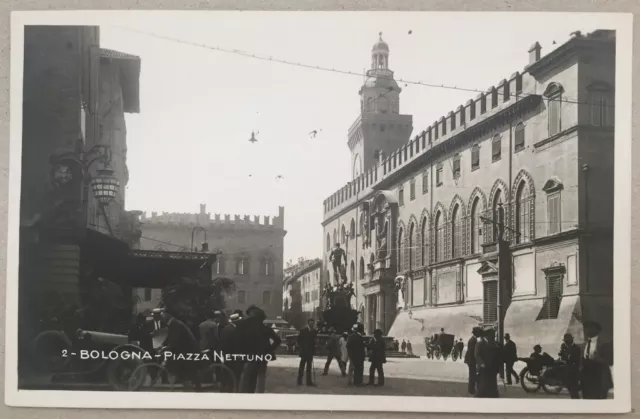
(334, 70)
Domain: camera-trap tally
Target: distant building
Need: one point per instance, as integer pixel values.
(252, 253)
(302, 292)
(535, 153)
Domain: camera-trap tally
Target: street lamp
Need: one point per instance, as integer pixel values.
(205, 245)
(73, 167)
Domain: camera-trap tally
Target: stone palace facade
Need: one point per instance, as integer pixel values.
(418, 219)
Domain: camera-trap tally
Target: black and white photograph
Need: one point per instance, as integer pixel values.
(373, 211)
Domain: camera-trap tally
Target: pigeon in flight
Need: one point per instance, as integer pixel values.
(279, 177)
(410, 32)
(314, 133)
(253, 138)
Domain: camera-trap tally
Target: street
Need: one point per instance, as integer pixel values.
(403, 377)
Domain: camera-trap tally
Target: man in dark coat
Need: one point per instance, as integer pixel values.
(356, 351)
(470, 358)
(307, 345)
(510, 358)
(231, 343)
(181, 342)
(570, 354)
(487, 365)
(259, 341)
(333, 351)
(377, 358)
(597, 357)
(208, 332)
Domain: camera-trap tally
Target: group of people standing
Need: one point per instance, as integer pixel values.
(349, 349)
(237, 334)
(585, 372)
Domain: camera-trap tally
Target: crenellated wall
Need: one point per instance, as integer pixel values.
(204, 219)
(250, 252)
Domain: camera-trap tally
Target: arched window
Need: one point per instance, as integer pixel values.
(335, 236)
(352, 228)
(424, 251)
(242, 265)
(361, 267)
(343, 235)
(439, 238)
(410, 247)
(456, 232)
(401, 250)
(219, 267)
(522, 213)
(519, 137)
(352, 271)
(553, 93)
(266, 297)
(328, 242)
(476, 225)
(267, 266)
(498, 214)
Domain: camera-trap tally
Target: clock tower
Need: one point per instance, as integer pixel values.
(380, 129)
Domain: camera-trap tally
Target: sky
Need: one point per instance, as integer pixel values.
(189, 144)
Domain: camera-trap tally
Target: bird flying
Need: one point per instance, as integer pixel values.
(253, 138)
(314, 133)
(279, 177)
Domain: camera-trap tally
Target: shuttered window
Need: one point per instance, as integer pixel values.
(599, 103)
(490, 303)
(496, 148)
(412, 190)
(553, 213)
(519, 137)
(456, 166)
(425, 183)
(551, 305)
(401, 196)
(475, 157)
(555, 125)
(439, 174)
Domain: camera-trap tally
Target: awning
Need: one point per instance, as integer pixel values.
(455, 320)
(113, 260)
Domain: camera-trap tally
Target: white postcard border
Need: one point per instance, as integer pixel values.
(95, 399)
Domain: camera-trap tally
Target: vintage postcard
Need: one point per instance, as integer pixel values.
(320, 211)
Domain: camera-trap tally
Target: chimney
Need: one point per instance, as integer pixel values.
(534, 53)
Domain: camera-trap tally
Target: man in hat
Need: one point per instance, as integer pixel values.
(597, 357)
(307, 345)
(356, 349)
(570, 354)
(180, 341)
(510, 358)
(377, 358)
(486, 365)
(470, 359)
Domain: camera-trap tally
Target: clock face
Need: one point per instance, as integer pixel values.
(62, 174)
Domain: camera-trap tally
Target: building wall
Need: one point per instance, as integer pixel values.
(302, 291)
(111, 131)
(241, 241)
(547, 159)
